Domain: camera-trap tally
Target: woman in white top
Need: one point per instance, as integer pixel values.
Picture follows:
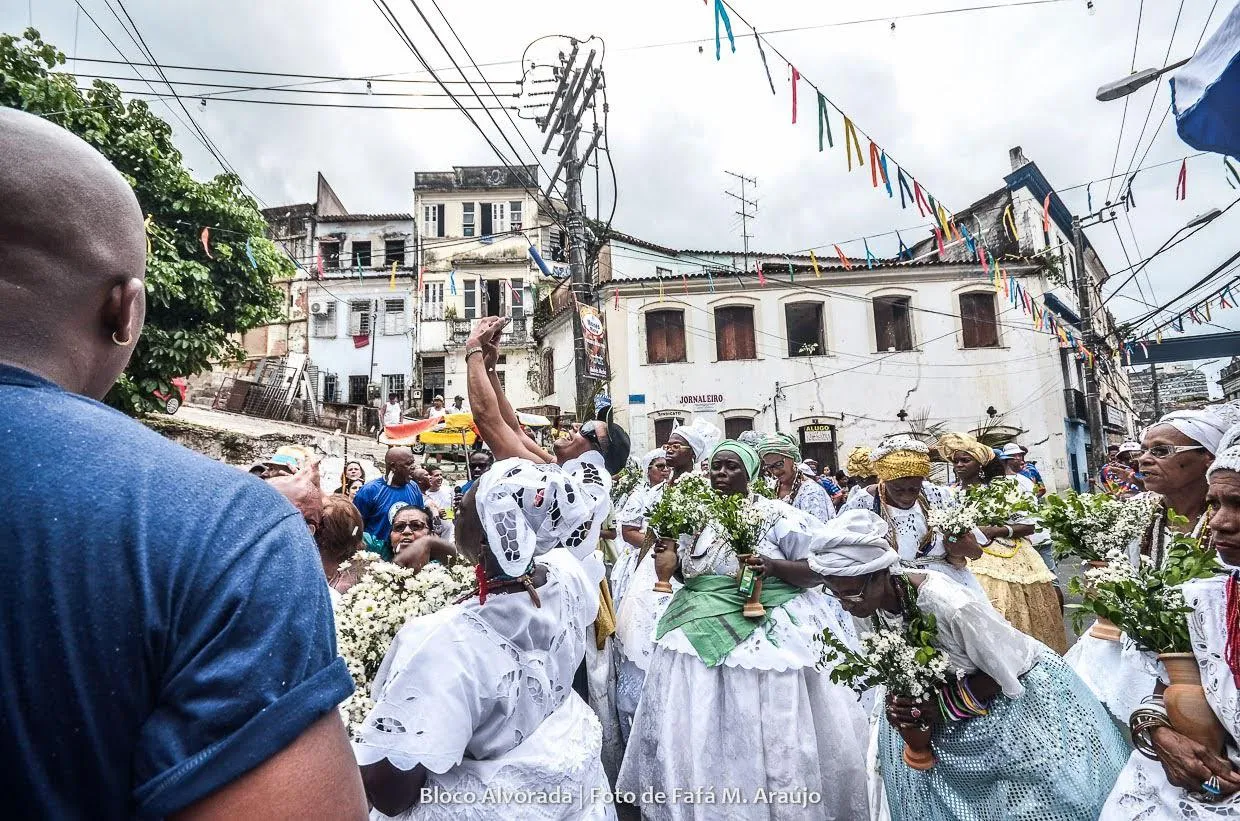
(903, 497)
(780, 457)
(1044, 749)
(479, 696)
(736, 710)
(1170, 775)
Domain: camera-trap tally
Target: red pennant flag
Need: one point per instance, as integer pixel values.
(920, 199)
(981, 256)
(206, 242)
(616, 294)
(938, 237)
(1181, 183)
(796, 76)
(874, 169)
(843, 259)
(761, 277)
(685, 279)
(319, 263)
(1046, 214)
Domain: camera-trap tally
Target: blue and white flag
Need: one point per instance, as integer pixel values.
(1205, 93)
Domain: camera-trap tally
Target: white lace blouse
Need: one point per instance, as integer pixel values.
(910, 524)
(474, 681)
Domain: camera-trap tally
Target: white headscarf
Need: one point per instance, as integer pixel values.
(645, 461)
(855, 545)
(702, 436)
(1205, 426)
(1228, 456)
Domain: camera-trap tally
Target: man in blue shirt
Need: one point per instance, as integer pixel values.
(377, 496)
(166, 639)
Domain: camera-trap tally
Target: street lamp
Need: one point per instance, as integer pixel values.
(1124, 87)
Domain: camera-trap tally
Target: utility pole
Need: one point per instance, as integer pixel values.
(1084, 298)
(745, 213)
(573, 96)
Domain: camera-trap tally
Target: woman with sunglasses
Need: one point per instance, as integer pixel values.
(1175, 454)
(736, 703)
(781, 456)
(1016, 736)
(1170, 775)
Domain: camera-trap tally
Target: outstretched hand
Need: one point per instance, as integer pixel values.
(486, 331)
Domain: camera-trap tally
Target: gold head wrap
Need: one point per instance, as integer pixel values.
(952, 443)
(858, 464)
(899, 457)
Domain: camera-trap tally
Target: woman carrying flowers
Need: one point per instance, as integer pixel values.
(1016, 580)
(1172, 775)
(903, 498)
(781, 456)
(737, 703)
(1014, 733)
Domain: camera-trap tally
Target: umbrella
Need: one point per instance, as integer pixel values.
(1205, 93)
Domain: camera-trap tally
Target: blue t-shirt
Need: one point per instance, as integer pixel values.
(375, 498)
(165, 626)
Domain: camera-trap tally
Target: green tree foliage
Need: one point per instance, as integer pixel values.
(195, 303)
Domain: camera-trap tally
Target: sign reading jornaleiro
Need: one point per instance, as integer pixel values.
(595, 341)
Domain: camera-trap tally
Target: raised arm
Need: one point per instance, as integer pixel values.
(490, 353)
(485, 398)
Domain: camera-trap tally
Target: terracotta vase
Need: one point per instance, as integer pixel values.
(665, 560)
(1187, 707)
(1103, 628)
(753, 608)
(917, 752)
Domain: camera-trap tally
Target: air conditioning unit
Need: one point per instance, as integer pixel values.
(318, 307)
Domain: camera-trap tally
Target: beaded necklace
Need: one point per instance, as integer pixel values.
(1232, 650)
(883, 510)
(1154, 543)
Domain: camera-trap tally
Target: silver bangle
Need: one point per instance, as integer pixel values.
(1010, 532)
(471, 351)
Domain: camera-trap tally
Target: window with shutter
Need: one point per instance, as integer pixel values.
(443, 223)
(393, 251)
(331, 388)
(484, 209)
(805, 329)
(735, 426)
(515, 221)
(517, 300)
(393, 317)
(359, 317)
(734, 337)
(893, 328)
(430, 221)
(432, 300)
(499, 222)
(361, 254)
(471, 299)
(468, 225)
(665, 336)
(324, 325)
(977, 321)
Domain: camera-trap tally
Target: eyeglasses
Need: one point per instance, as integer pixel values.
(670, 445)
(412, 527)
(1163, 451)
(854, 598)
(589, 432)
(771, 467)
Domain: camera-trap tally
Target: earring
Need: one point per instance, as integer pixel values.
(121, 342)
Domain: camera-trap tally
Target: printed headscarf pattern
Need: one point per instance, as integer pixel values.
(779, 443)
(901, 456)
(702, 436)
(1228, 456)
(527, 509)
(858, 464)
(856, 545)
(748, 456)
(952, 443)
(1205, 426)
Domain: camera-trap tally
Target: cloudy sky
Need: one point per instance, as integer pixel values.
(946, 95)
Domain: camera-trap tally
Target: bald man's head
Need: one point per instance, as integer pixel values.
(72, 257)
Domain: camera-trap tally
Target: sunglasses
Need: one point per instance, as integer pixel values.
(589, 432)
(1163, 451)
(411, 527)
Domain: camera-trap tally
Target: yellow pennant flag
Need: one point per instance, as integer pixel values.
(392, 278)
(1009, 222)
(814, 260)
(850, 140)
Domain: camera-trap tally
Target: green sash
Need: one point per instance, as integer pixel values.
(708, 610)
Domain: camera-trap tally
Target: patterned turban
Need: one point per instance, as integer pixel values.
(952, 443)
(898, 457)
(859, 462)
(781, 444)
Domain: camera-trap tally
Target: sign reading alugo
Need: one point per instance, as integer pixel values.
(701, 401)
(813, 434)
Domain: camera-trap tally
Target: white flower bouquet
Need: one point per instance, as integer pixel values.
(625, 481)
(996, 503)
(888, 657)
(370, 614)
(1095, 526)
(683, 509)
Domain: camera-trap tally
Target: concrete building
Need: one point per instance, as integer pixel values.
(840, 357)
(1177, 388)
(1229, 380)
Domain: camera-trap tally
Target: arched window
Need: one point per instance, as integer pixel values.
(665, 336)
(977, 320)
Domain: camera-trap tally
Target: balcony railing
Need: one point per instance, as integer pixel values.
(1075, 402)
(515, 334)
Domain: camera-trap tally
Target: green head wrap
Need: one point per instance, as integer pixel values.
(780, 443)
(748, 456)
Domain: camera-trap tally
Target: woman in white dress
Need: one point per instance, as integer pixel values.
(780, 457)
(1171, 775)
(1175, 455)
(735, 710)
(475, 713)
(1039, 745)
(638, 605)
(903, 496)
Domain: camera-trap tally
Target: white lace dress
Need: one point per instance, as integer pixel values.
(482, 697)
(1142, 791)
(910, 529)
(764, 726)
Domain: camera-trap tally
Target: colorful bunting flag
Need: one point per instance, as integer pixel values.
(882, 159)
(824, 122)
(710, 281)
(721, 15)
(761, 276)
(392, 278)
(874, 169)
(452, 282)
(1046, 214)
(615, 299)
(761, 52)
(904, 252)
(790, 276)
(1181, 183)
(1009, 222)
(814, 261)
(843, 259)
(968, 239)
(206, 242)
(796, 76)
(318, 263)
(870, 259)
(850, 139)
(249, 254)
(903, 181)
(920, 199)
(938, 238)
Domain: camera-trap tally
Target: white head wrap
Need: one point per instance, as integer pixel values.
(527, 509)
(702, 436)
(1205, 426)
(1228, 456)
(852, 544)
(896, 443)
(645, 461)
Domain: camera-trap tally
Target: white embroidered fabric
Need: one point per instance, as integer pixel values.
(639, 612)
(1142, 790)
(474, 681)
(811, 498)
(974, 636)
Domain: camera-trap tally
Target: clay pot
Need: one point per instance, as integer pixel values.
(665, 561)
(917, 752)
(1186, 703)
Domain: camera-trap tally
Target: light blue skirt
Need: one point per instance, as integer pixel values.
(1051, 755)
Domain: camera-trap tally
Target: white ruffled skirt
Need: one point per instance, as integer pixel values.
(1117, 672)
(554, 775)
(1143, 792)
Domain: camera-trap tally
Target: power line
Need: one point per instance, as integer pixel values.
(233, 88)
(381, 78)
(298, 104)
(1119, 141)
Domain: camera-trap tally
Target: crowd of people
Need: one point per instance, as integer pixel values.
(596, 665)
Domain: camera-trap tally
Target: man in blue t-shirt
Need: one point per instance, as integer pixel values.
(166, 639)
(377, 496)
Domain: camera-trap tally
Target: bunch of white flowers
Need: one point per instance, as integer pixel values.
(995, 503)
(889, 658)
(953, 519)
(370, 614)
(1093, 526)
(1130, 522)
